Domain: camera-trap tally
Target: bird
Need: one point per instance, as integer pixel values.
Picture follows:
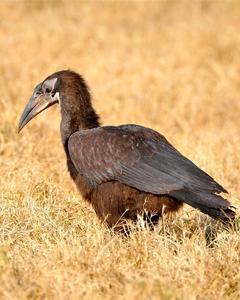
(123, 171)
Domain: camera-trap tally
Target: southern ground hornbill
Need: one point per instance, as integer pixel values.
(126, 170)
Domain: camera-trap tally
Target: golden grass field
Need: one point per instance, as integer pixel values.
(170, 65)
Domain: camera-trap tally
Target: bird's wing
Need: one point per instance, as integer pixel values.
(142, 158)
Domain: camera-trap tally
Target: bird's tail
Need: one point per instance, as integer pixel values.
(211, 204)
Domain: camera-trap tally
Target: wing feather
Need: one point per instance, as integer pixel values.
(144, 159)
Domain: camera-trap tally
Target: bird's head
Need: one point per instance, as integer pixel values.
(65, 87)
(45, 94)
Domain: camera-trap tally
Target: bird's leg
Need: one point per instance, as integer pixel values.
(151, 219)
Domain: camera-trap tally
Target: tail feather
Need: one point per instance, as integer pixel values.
(213, 205)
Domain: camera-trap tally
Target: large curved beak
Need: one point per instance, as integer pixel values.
(36, 104)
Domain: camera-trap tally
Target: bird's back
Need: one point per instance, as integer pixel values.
(143, 159)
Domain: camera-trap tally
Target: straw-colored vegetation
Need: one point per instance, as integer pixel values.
(170, 65)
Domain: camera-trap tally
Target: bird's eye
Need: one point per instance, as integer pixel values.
(47, 90)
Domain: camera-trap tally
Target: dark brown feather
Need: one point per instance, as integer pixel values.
(128, 170)
(115, 202)
(143, 159)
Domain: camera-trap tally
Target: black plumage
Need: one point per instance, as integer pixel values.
(123, 170)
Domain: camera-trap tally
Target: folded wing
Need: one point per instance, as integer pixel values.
(144, 159)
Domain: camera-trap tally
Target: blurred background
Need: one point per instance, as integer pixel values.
(170, 65)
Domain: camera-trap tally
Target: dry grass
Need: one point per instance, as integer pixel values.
(170, 65)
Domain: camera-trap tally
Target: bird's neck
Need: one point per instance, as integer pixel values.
(72, 123)
(75, 121)
(77, 113)
(75, 118)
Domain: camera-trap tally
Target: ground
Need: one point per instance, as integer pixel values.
(170, 65)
